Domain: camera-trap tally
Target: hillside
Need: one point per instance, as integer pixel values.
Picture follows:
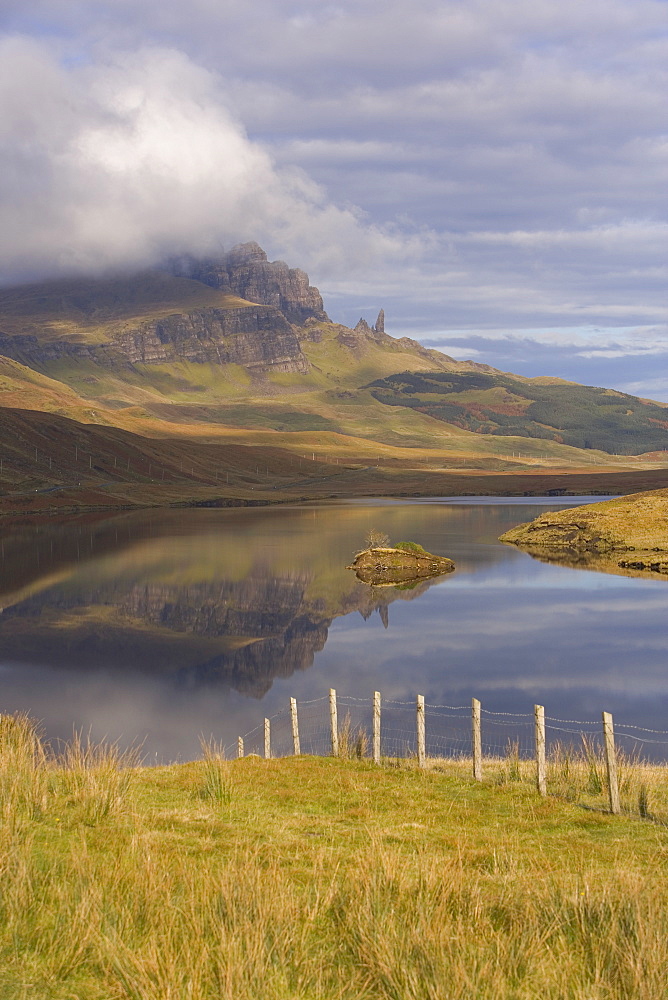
(239, 351)
(548, 409)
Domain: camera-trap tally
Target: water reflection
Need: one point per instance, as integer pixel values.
(236, 600)
(168, 625)
(641, 565)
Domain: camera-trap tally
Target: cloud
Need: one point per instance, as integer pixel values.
(469, 166)
(120, 162)
(625, 358)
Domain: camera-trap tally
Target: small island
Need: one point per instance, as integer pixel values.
(384, 565)
(627, 535)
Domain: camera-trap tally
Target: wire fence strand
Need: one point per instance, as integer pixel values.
(448, 732)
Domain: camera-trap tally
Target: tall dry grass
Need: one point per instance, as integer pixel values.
(216, 784)
(578, 773)
(108, 895)
(354, 741)
(391, 930)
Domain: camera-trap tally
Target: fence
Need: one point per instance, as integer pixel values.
(566, 756)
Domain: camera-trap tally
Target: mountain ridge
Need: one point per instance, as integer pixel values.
(180, 354)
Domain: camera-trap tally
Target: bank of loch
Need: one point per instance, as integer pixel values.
(627, 534)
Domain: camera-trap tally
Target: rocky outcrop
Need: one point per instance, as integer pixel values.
(376, 332)
(257, 337)
(245, 271)
(635, 522)
(387, 566)
(160, 318)
(28, 350)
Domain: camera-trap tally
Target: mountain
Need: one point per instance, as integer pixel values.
(238, 350)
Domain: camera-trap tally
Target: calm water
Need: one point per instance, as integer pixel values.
(163, 626)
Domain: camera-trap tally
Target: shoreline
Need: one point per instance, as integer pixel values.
(117, 497)
(627, 535)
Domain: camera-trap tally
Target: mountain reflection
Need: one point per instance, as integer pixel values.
(234, 600)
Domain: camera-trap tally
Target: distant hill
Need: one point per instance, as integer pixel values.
(578, 415)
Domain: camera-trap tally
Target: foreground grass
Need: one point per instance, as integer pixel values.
(313, 877)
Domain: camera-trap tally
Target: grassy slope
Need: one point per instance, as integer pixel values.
(52, 465)
(25, 388)
(628, 535)
(637, 522)
(148, 398)
(319, 878)
(501, 404)
(325, 399)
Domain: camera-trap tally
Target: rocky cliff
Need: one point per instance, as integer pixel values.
(245, 271)
(254, 336)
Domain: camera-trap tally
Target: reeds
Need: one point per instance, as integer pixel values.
(353, 741)
(24, 777)
(91, 777)
(216, 784)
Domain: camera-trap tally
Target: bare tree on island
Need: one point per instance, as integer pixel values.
(376, 539)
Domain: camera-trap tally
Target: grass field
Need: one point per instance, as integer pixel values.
(323, 878)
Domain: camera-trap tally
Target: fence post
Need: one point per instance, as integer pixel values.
(376, 727)
(333, 723)
(295, 726)
(611, 762)
(267, 739)
(539, 729)
(240, 747)
(420, 730)
(476, 737)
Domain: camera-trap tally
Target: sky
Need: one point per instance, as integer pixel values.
(493, 173)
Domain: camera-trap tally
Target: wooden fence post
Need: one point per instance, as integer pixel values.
(295, 726)
(476, 737)
(333, 723)
(611, 762)
(539, 730)
(267, 739)
(376, 727)
(420, 730)
(240, 747)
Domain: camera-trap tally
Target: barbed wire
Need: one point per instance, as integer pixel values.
(509, 715)
(639, 739)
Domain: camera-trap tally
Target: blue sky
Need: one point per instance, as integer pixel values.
(492, 172)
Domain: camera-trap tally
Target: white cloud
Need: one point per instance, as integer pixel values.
(586, 341)
(118, 163)
(656, 388)
(508, 160)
